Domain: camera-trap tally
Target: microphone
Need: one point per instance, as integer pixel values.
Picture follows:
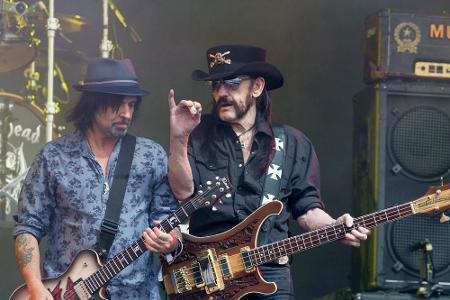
(18, 7)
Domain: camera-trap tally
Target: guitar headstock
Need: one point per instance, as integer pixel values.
(212, 192)
(435, 200)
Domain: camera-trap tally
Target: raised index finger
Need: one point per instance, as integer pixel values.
(171, 99)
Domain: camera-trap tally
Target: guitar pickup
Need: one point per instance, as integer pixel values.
(180, 280)
(226, 268)
(245, 255)
(209, 270)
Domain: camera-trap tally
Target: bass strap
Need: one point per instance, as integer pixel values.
(272, 181)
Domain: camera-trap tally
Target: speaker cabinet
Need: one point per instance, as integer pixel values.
(401, 147)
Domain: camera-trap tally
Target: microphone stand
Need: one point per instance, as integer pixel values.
(427, 288)
(50, 111)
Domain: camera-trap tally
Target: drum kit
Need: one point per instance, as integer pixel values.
(22, 117)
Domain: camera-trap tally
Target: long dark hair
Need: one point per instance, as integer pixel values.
(264, 106)
(83, 113)
(266, 153)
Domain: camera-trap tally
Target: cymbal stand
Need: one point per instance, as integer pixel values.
(106, 45)
(32, 86)
(50, 109)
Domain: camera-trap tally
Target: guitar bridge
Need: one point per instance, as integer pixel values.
(180, 280)
(207, 272)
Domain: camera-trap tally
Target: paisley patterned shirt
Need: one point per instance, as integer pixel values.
(64, 197)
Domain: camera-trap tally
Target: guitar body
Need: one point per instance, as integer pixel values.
(62, 287)
(87, 276)
(243, 282)
(225, 266)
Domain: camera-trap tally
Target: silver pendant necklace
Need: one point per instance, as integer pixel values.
(243, 145)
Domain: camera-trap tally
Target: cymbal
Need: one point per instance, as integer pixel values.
(15, 52)
(69, 57)
(67, 23)
(71, 23)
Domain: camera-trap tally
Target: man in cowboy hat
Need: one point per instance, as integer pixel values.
(65, 194)
(238, 140)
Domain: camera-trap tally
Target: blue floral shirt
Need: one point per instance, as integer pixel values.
(64, 197)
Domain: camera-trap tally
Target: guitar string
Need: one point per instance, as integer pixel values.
(392, 214)
(196, 199)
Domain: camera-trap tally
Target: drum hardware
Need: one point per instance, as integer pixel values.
(18, 42)
(6, 119)
(5, 172)
(22, 118)
(32, 86)
(67, 23)
(426, 286)
(133, 33)
(106, 45)
(22, 135)
(18, 7)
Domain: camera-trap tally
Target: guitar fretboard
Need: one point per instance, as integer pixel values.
(120, 261)
(270, 252)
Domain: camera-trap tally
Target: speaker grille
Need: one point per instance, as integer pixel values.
(407, 233)
(420, 143)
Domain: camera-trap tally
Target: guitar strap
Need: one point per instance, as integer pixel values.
(272, 181)
(110, 221)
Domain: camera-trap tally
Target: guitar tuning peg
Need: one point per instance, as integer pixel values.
(228, 195)
(444, 218)
(217, 177)
(208, 182)
(214, 208)
(220, 201)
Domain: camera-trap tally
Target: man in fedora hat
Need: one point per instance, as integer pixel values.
(238, 140)
(65, 194)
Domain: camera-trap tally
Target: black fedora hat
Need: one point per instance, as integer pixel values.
(229, 61)
(111, 76)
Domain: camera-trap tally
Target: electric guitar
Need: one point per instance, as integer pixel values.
(225, 265)
(87, 276)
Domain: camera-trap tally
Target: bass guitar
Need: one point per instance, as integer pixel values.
(87, 276)
(225, 265)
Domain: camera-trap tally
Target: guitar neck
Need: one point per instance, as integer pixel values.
(120, 261)
(308, 240)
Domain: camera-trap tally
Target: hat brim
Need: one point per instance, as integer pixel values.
(273, 77)
(114, 90)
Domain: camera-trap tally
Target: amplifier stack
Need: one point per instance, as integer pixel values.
(401, 147)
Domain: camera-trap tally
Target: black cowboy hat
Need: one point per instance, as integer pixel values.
(111, 76)
(229, 61)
